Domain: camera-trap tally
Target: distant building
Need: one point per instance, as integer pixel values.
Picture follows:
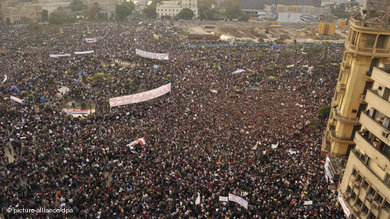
(18, 12)
(106, 6)
(172, 8)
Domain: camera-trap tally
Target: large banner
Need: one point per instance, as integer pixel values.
(16, 99)
(238, 200)
(59, 55)
(140, 97)
(83, 52)
(151, 55)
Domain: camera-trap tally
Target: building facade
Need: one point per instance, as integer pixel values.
(172, 8)
(106, 6)
(359, 120)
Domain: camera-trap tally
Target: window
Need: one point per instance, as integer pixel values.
(368, 40)
(382, 41)
(378, 198)
(354, 111)
(354, 172)
(365, 210)
(386, 206)
(365, 184)
(371, 191)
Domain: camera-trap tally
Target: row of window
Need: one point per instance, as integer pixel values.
(373, 197)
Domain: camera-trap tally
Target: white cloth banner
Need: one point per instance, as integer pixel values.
(274, 146)
(140, 97)
(83, 52)
(347, 212)
(5, 78)
(238, 200)
(16, 99)
(223, 199)
(151, 55)
(238, 71)
(59, 55)
(90, 40)
(308, 203)
(197, 201)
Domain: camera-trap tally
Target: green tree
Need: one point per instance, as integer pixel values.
(45, 15)
(77, 5)
(313, 52)
(185, 14)
(323, 112)
(124, 10)
(60, 16)
(93, 11)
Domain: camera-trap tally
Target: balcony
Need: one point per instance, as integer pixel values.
(375, 128)
(340, 88)
(374, 52)
(374, 154)
(381, 76)
(376, 101)
(340, 139)
(355, 162)
(346, 68)
(349, 121)
(367, 25)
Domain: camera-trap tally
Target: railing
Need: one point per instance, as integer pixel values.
(367, 141)
(340, 139)
(367, 51)
(337, 116)
(367, 24)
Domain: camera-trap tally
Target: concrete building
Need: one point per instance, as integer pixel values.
(17, 12)
(106, 6)
(172, 8)
(359, 120)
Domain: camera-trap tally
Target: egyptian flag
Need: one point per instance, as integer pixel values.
(140, 141)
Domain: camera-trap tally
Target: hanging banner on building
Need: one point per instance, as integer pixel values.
(151, 55)
(329, 170)
(140, 97)
(83, 52)
(16, 99)
(90, 40)
(238, 200)
(347, 212)
(59, 55)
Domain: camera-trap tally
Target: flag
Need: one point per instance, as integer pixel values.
(255, 147)
(140, 141)
(197, 201)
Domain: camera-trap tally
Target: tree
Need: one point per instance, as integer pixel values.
(313, 52)
(185, 14)
(124, 10)
(45, 15)
(150, 11)
(77, 5)
(323, 112)
(233, 12)
(93, 11)
(60, 16)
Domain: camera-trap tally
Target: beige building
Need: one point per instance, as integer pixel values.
(17, 12)
(172, 8)
(106, 6)
(359, 120)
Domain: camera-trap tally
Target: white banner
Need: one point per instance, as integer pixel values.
(223, 199)
(90, 40)
(347, 212)
(151, 55)
(83, 52)
(140, 97)
(16, 99)
(59, 55)
(238, 200)
(5, 78)
(238, 71)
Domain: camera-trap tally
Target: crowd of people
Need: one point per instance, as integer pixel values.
(215, 133)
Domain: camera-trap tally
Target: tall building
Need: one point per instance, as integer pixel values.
(359, 121)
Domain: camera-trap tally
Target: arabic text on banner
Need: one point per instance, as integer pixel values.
(140, 97)
(151, 55)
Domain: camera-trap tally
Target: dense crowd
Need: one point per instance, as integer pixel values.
(211, 135)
